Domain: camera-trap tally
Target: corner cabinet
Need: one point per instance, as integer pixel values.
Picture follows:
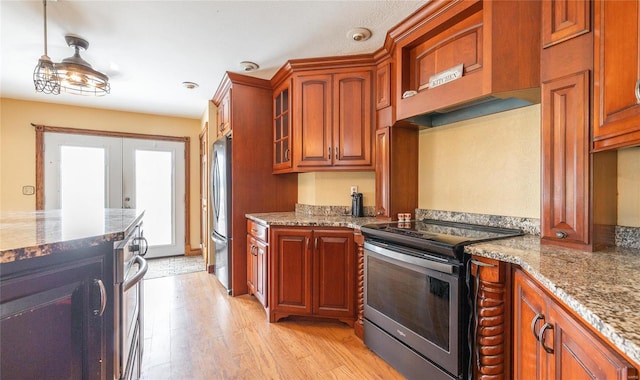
(56, 316)
(549, 343)
(616, 74)
(312, 273)
(331, 115)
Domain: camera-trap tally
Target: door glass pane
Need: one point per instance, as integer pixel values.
(154, 185)
(82, 178)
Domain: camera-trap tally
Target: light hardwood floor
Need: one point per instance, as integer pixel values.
(194, 330)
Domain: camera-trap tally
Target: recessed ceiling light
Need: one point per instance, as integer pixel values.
(359, 34)
(190, 85)
(249, 66)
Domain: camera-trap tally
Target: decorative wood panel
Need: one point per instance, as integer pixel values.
(564, 19)
(383, 85)
(491, 354)
(565, 159)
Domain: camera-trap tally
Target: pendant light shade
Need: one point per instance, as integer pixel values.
(45, 77)
(76, 75)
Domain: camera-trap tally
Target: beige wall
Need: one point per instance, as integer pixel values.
(334, 188)
(489, 165)
(629, 187)
(17, 145)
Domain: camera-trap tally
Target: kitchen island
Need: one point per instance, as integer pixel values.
(58, 292)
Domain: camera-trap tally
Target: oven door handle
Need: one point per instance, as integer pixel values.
(130, 282)
(433, 263)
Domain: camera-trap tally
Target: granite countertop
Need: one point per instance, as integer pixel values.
(601, 287)
(29, 234)
(301, 219)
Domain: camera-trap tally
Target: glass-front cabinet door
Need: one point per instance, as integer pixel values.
(282, 129)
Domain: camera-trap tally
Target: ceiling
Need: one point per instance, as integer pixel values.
(148, 48)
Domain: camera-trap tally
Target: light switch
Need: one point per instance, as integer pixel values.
(28, 190)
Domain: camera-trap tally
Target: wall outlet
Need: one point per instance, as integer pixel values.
(354, 189)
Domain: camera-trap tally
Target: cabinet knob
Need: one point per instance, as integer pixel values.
(638, 90)
(380, 212)
(561, 234)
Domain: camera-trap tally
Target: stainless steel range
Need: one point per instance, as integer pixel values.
(417, 308)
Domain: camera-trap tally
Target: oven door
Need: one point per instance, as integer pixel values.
(130, 270)
(416, 300)
(131, 330)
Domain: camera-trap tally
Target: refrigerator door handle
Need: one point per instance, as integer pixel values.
(219, 239)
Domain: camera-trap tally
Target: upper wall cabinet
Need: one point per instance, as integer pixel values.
(323, 118)
(282, 139)
(616, 74)
(455, 52)
(224, 113)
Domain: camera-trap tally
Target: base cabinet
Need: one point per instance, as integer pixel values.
(257, 261)
(549, 343)
(312, 273)
(54, 321)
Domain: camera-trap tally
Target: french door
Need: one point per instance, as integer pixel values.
(84, 173)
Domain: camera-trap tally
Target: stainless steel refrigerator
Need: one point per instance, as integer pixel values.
(221, 198)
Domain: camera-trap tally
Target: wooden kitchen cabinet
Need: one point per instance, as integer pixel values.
(257, 261)
(579, 189)
(383, 84)
(396, 174)
(254, 187)
(312, 273)
(332, 120)
(616, 74)
(282, 136)
(497, 42)
(55, 317)
(550, 343)
(224, 114)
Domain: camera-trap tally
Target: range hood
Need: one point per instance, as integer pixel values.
(487, 105)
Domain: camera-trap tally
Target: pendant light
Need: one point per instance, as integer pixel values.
(76, 75)
(45, 77)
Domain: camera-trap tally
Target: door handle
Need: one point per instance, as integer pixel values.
(638, 90)
(544, 328)
(130, 282)
(103, 298)
(535, 320)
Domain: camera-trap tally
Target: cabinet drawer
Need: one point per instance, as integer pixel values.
(257, 230)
